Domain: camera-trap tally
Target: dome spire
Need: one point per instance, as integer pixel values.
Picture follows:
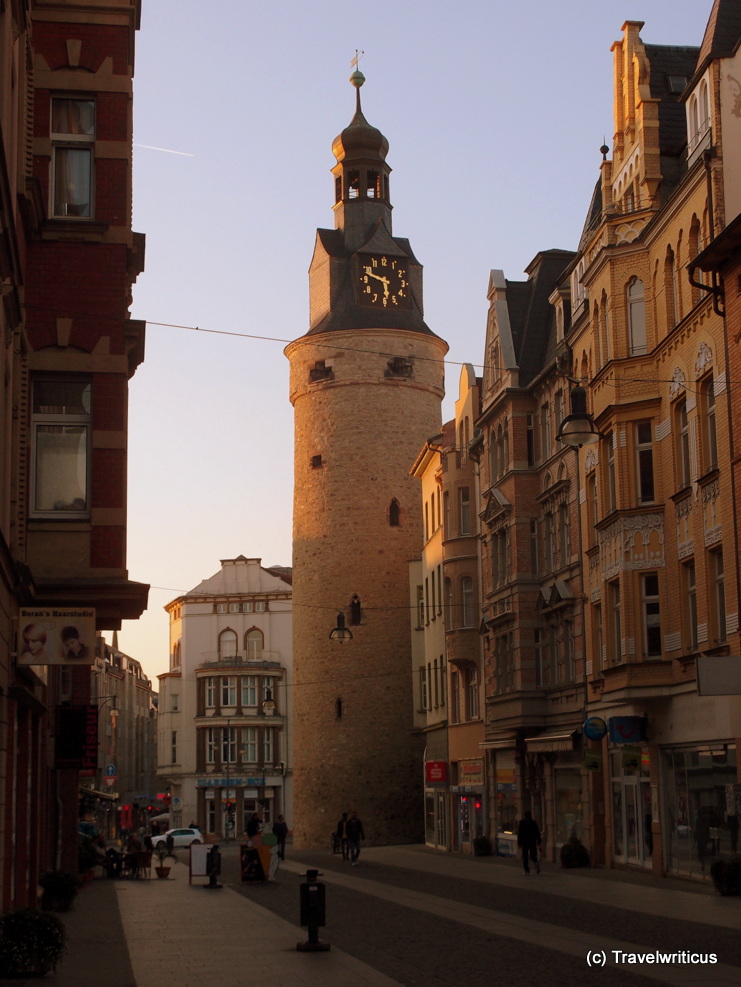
(361, 173)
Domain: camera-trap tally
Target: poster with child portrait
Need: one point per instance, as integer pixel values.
(48, 636)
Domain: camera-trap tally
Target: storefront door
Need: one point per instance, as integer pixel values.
(632, 842)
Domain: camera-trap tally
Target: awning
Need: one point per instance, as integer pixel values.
(104, 796)
(552, 742)
(499, 745)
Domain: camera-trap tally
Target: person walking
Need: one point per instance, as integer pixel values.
(280, 832)
(355, 834)
(341, 836)
(529, 839)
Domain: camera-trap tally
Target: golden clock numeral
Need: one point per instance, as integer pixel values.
(393, 299)
(375, 298)
(384, 262)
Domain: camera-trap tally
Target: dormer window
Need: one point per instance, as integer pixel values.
(698, 121)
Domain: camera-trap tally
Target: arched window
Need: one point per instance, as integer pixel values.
(693, 247)
(469, 616)
(394, 513)
(449, 622)
(253, 644)
(494, 458)
(636, 317)
(703, 114)
(670, 289)
(227, 644)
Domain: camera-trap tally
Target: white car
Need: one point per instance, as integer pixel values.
(180, 837)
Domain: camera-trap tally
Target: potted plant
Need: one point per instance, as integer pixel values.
(574, 853)
(482, 846)
(726, 875)
(162, 853)
(32, 942)
(60, 888)
(87, 857)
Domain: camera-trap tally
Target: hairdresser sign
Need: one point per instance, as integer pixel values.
(60, 636)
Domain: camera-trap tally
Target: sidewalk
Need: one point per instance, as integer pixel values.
(146, 933)
(143, 933)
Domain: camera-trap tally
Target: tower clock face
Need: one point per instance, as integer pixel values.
(384, 282)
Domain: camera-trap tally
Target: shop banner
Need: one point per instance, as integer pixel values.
(49, 636)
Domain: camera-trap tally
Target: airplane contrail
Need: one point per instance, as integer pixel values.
(167, 150)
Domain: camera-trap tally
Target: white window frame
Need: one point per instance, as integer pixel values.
(64, 142)
(210, 691)
(268, 745)
(229, 691)
(249, 745)
(213, 736)
(651, 610)
(249, 690)
(60, 423)
(644, 453)
(229, 745)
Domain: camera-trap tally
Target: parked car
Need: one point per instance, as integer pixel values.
(180, 837)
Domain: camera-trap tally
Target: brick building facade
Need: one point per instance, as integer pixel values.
(69, 261)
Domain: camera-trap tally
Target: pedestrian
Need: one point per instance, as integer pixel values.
(355, 834)
(253, 829)
(341, 836)
(529, 839)
(280, 832)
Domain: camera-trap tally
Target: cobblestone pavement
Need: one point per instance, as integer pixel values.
(422, 927)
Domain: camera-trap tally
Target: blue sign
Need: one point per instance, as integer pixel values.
(594, 728)
(111, 770)
(627, 729)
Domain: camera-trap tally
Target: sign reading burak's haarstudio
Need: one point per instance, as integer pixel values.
(56, 636)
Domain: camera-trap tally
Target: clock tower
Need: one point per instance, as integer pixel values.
(366, 383)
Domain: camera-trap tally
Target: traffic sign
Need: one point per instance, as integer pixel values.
(111, 770)
(110, 780)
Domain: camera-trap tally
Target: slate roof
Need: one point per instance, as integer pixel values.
(668, 61)
(722, 34)
(345, 312)
(532, 317)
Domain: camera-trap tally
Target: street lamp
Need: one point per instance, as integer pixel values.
(341, 633)
(103, 702)
(578, 429)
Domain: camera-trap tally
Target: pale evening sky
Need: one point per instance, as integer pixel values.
(494, 111)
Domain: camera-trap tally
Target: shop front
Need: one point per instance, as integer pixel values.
(632, 810)
(468, 805)
(701, 807)
(436, 805)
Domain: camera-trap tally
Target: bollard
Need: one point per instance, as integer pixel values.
(312, 912)
(213, 866)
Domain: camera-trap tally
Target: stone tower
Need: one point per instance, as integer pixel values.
(366, 383)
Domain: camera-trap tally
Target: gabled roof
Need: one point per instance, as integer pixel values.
(669, 62)
(532, 317)
(722, 34)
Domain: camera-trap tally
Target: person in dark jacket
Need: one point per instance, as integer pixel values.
(529, 839)
(280, 832)
(341, 837)
(355, 834)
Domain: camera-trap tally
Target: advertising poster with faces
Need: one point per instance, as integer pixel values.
(49, 636)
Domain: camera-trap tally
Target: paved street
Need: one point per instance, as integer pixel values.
(426, 918)
(404, 916)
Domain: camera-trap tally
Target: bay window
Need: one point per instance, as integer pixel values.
(73, 143)
(61, 427)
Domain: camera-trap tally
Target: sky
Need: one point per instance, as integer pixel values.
(494, 112)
